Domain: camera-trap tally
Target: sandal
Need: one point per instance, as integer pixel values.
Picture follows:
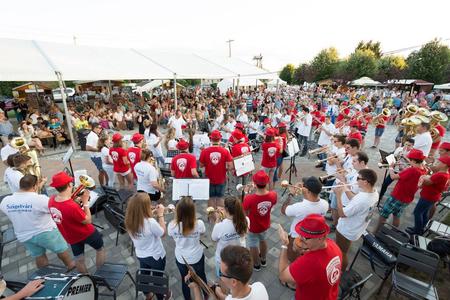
(285, 284)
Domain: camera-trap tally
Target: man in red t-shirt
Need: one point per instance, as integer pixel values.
(437, 140)
(216, 160)
(317, 272)
(354, 132)
(404, 190)
(184, 165)
(258, 207)
(134, 153)
(432, 188)
(75, 222)
(239, 128)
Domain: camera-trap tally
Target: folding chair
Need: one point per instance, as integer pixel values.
(354, 291)
(111, 276)
(117, 197)
(423, 242)
(7, 236)
(419, 261)
(116, 218)
(437, 228)
(152, 281)
(443, 203)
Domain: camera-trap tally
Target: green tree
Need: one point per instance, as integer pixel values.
(391, 67)
(361, 63)
(6, 87)
(375, 47)
(430, 63)
(287, 73)
(325, 63)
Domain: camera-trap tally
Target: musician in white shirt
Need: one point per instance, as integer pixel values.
(423, 140)
(327, 130)
(304, 124)
(242, 117)
(336, 154)
(254, 127)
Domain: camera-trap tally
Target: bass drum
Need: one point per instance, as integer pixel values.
(67, 287)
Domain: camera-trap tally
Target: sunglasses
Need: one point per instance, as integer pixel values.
(227, 276)
(360, 178)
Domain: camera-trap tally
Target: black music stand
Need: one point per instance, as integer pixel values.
(292, 169)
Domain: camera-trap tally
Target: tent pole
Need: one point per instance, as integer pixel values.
(175, 90)
(278, 85)
(237, 92)
(110, 91)
(62, 88)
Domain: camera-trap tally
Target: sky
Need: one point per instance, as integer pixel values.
(282, 31)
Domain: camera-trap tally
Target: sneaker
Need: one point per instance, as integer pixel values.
(263, 263)
(373, 147)
(256, 268)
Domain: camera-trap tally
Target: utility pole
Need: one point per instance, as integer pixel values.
(229, 46)
(258, 59)
(74, 40)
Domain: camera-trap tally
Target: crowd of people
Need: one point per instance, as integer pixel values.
(201, 139)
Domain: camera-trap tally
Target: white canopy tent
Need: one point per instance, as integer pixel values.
(276, 82)
(25, 60)
(445, 86)
(151, 85)
(228, 83)
(365, 81)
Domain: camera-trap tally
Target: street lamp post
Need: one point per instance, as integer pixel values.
(229, 46)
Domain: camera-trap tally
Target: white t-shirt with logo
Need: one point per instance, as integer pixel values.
(145, 173)
(225, 234)
(148, 242)
(300, 210)
(92, 141)
(258, 292)
(187, 246)
(358, 213)
(12, 178)
(28, 213)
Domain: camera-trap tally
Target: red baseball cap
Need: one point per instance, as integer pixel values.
(281, 125)
(261, 178)
(266, 121)
(312, 227)
(137, 137)
(270, 132)
(416, 154)
(237, 135)
(60, 179)
(182, 145)
(183, 126)
(215, 135)
(445, 160)
(239, 125)
(116, 137)
(445, 146)
(354, 123)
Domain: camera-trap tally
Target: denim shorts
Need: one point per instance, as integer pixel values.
(216, 190)
(48, 240)
(98, 163)
(253, 239)
(95, 240)
(379, 131)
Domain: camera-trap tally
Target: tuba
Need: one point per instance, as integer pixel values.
(385, 113)
(411, 110)
(20, 144)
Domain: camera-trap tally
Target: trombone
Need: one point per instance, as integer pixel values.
(327, 177)
(320, 150)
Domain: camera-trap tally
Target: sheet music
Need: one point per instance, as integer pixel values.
(67, 156)
(244, 164)
(390, 159)
(292, 147)
(197, 188)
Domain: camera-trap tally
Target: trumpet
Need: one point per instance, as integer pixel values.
(218, 211)
(326, 177)
(169, 209)
(339, 185)
(318, 150)
(297, 189)
(86, 182)
(325, 159)
(247, 188)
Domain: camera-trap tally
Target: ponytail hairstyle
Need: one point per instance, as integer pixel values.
(235, 209)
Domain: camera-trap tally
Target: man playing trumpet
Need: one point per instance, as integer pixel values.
(327, 129)
(311, 204)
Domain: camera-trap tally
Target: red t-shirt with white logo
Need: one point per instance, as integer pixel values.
(406, 186)
(68, 216)
(321, 280)
(240, 149)
(433, 192)
(258, 209)
(215, 160)
(270, 153)
(134, 156)
(182, 165)
(117, 155)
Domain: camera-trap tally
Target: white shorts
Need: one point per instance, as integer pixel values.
(123, 173)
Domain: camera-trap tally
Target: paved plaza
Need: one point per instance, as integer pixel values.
(17, 263)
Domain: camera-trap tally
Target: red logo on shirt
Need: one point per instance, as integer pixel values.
(264, 207)
(181, 164)
(215, 157)
(132, 157)
(334, 270)
(56, 215)
(114, 155)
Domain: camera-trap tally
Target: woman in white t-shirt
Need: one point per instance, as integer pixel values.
(104, 142)
(253, 127)
(170, 142)
(232, 229)
(146, 232)
(186, 230)
(200, 140)
(153, 139)
(147, 176)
